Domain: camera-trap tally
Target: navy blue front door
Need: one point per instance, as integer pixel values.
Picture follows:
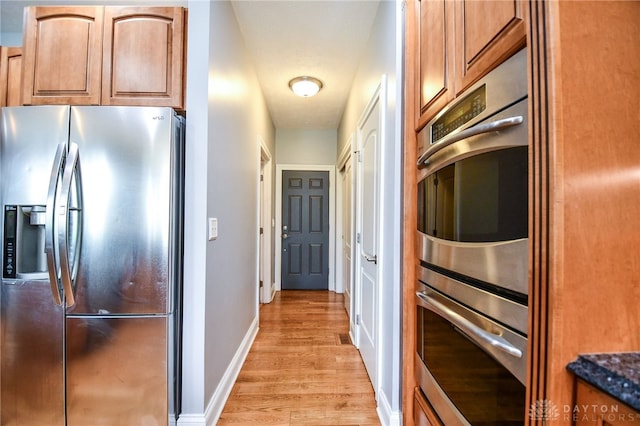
(305, 230)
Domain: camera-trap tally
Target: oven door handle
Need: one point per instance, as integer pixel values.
(473, 331)
(471, 131)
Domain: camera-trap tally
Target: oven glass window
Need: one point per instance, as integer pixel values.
(482, 390)
(482, 198)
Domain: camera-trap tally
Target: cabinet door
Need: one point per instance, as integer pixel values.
(143, 62)
(10, 76)
(436, 56)
(595, 408)
(62, 55)
(488, 32)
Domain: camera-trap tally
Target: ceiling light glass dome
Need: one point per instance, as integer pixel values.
(305, 86)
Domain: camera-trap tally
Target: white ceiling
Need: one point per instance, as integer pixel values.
(321, 38)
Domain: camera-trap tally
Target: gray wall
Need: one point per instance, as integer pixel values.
(226, 114)
(306, 146)
(11, 39)
(384, 56)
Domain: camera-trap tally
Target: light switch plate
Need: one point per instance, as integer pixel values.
(213, 228)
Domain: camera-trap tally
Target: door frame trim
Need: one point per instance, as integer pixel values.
(265, 211)
(346, 154)
(332, 219)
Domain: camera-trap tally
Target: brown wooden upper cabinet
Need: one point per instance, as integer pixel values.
(10, 76)
(62, 55)
(104, 56)
(143, 56)
(459, 42)
(490, 31)
(436, 56)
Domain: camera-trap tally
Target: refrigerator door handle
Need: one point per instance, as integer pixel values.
(50, 246)
(68, 210)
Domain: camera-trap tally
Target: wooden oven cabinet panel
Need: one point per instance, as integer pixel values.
(435, 57)
(423, 414)
(62, 54)
(488, 32)
(10, 76)
(144, 56)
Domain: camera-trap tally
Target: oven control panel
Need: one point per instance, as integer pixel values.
(463, 112)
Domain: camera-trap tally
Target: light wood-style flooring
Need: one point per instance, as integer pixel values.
(302, 368)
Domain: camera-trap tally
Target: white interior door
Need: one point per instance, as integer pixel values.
(368, 219)
(347, 234)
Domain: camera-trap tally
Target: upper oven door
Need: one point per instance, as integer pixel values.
(473, 204)
(505, 129)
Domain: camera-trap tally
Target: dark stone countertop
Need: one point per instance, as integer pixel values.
(617, 374)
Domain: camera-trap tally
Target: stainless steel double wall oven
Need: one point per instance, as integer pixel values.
(473, 252)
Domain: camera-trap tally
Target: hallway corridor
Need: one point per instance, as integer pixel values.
(302, 368)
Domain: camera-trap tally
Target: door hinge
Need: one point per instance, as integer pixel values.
(358, 238)
(358, 319)
(261, 283)
(358, 155)
(261, 178)
(261, 230)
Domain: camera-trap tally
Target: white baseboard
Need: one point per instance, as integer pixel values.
(387, 416)
(219, 398)
(352, 335)
(192, 420)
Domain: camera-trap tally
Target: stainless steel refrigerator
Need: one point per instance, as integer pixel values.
(92, 212)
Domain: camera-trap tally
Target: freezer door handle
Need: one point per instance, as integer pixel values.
(69, 211)
(50, 245)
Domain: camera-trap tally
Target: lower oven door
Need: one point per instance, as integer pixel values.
(471, 368)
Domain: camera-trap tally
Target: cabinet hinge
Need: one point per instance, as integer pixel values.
(358, 319)
(358, 237)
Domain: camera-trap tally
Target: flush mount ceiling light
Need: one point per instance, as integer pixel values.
(305, 86)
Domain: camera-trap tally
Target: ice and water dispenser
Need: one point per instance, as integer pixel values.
(24, 242)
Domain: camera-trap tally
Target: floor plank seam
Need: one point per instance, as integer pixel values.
(303, 368)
